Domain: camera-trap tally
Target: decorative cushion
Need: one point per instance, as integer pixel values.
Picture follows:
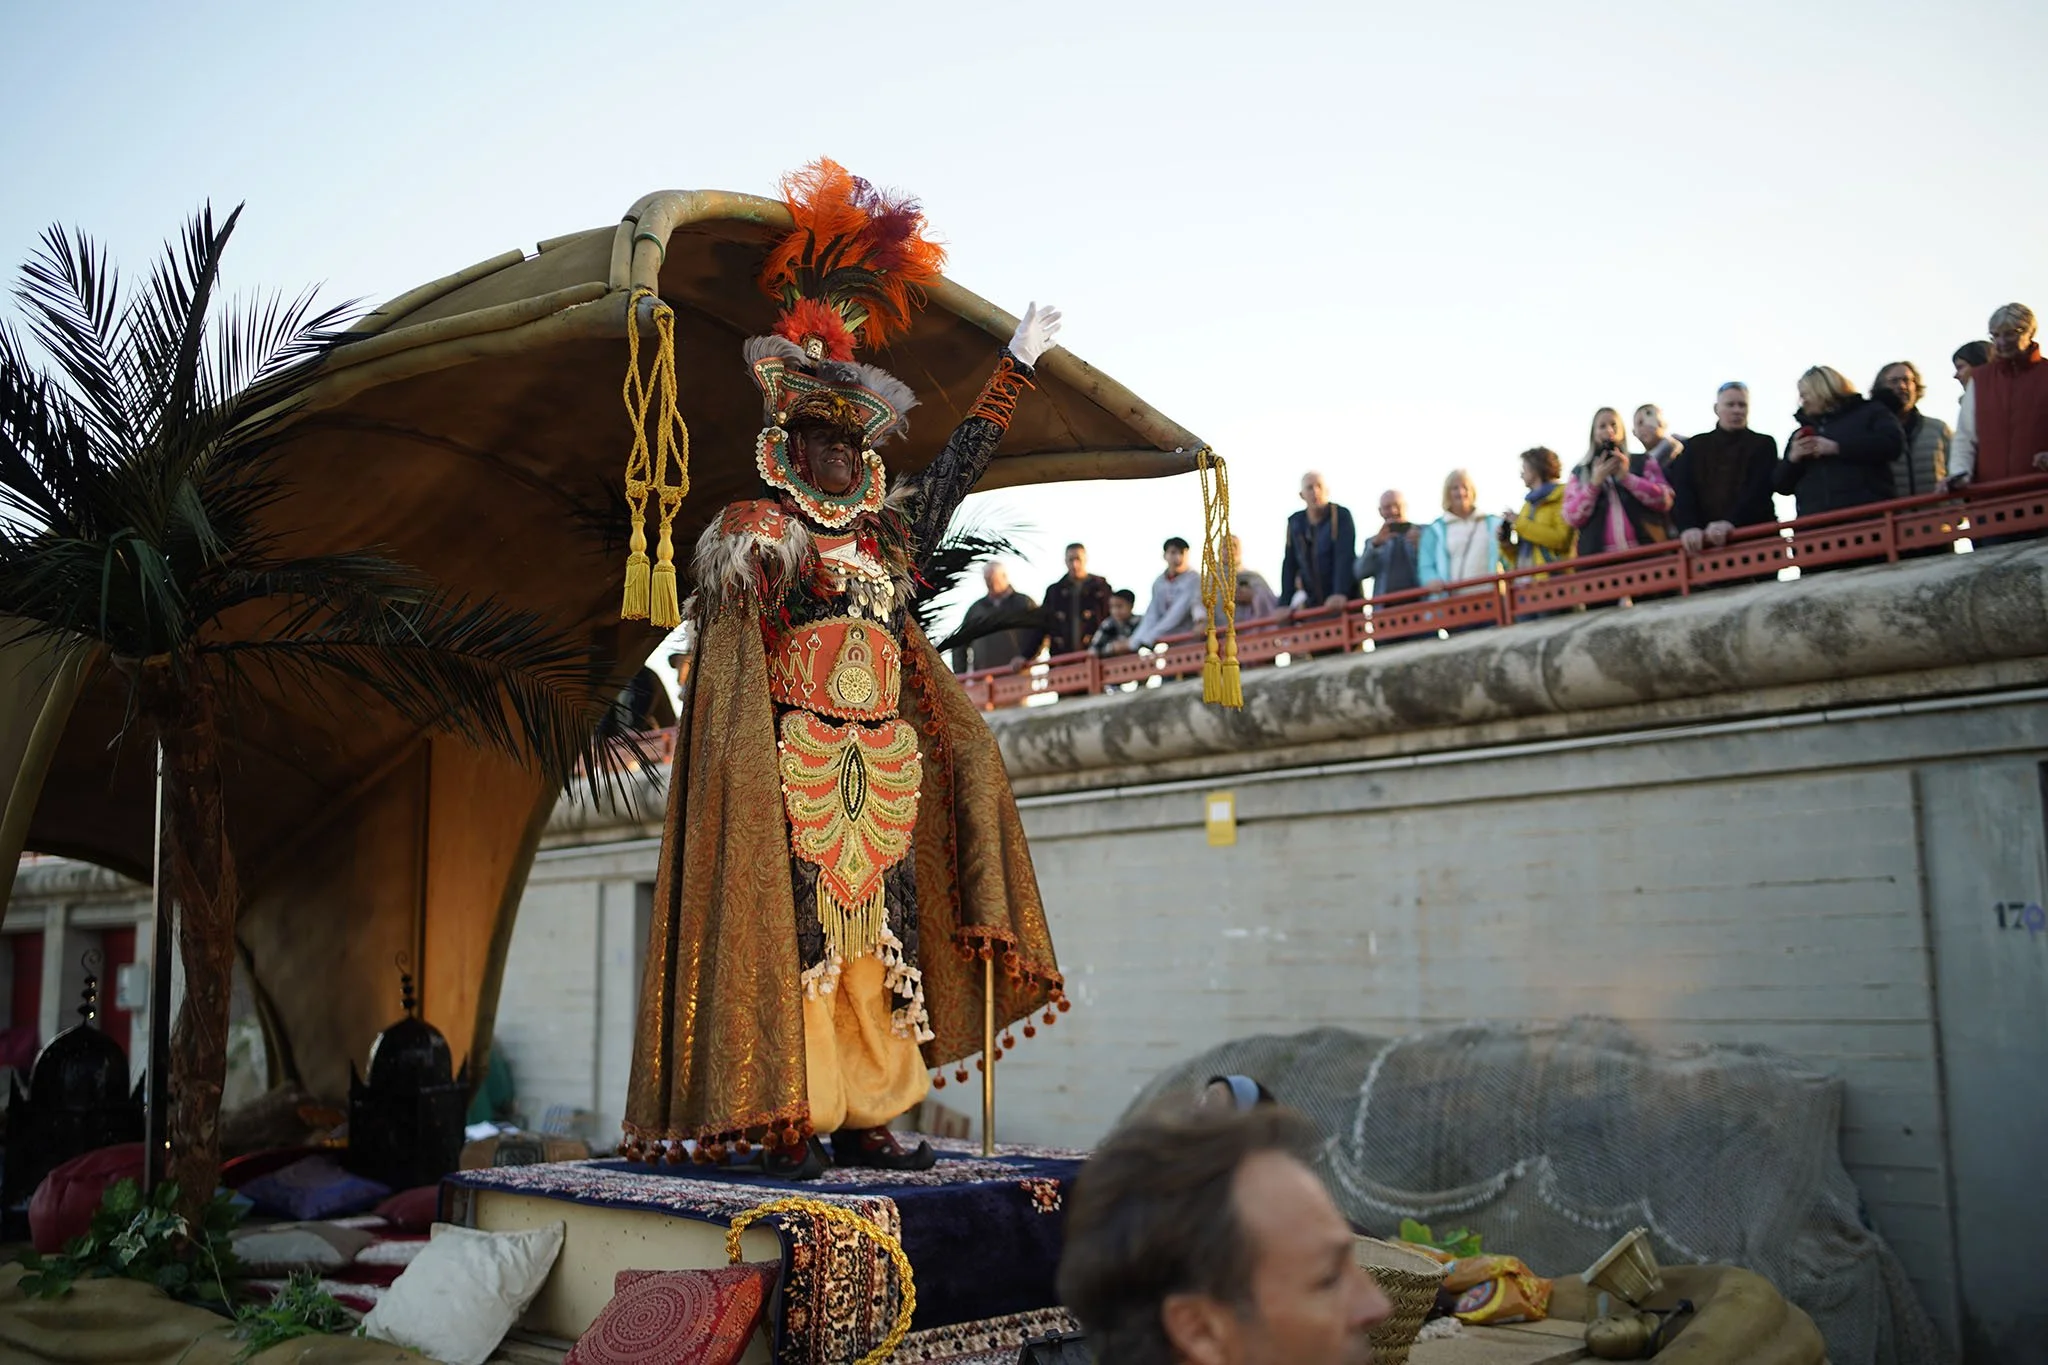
(281, 1248)
(460, 1295)
(677, 1317)
(63, 1205)
(412, 1210)
(313, 1188)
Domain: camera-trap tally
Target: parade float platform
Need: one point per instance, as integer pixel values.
(982, 1234)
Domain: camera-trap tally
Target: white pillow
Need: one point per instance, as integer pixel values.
(463, 1292)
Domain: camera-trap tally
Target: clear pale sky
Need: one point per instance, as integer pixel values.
(1382, 241)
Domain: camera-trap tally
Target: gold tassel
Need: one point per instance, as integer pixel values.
(634, 607)
(853, 930)
(1220, 680)
(653, 596)
(665, 608)
(1232, 690)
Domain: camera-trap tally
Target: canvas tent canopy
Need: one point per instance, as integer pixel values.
(475, 428)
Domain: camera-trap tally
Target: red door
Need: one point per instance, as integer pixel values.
(18, 1044)
(117, 947)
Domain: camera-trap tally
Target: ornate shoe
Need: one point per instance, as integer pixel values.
(878, 1147)
(780, 1165)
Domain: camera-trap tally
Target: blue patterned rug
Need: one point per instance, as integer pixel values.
(982, 1234)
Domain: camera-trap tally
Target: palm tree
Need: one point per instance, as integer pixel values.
(141, 497)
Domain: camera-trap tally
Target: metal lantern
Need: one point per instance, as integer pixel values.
(405, 1122)
(78, 1101)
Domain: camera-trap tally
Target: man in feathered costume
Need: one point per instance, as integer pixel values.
(842, 851)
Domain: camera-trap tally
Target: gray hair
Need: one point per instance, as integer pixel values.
(2013, 315)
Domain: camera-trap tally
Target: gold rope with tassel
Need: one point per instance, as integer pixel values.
(1220, 680)
(905, 1310)
(651, 592)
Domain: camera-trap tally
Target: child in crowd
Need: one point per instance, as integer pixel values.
(1114, 635)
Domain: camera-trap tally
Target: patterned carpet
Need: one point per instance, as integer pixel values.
(982, 1235)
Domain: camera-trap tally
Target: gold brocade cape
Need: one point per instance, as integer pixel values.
(719, 1051)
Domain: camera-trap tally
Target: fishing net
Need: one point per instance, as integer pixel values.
(1554, 1140)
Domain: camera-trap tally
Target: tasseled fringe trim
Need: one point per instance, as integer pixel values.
(851, 930)
(902, 979)
(774, 1133)
(975, 942)
(905, 980)
(823, 979)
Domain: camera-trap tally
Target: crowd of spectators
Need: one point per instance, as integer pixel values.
(1849, 449)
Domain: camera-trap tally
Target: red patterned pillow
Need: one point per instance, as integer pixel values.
(677, 1317)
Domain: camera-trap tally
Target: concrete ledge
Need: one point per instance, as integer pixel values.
(1942, 625)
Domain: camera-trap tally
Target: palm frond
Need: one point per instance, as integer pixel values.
(44, 448)
(142, 507)
(970, 539)
(355, 580)
(948, 566)
(71, 298)
(169, 335)
(1012, 616)
(496, 677)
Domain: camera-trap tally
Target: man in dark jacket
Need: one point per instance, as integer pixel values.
(1012, 647)
(1723, 480)
(1389, 557)
(1322, 551)
(1075, 606)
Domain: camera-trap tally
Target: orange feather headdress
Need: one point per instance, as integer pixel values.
(853, 270)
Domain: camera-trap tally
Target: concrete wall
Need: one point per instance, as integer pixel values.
(572, 982)
(1749, 883)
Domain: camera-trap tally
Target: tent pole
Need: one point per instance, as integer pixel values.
(156, 1132)
(988, 1055)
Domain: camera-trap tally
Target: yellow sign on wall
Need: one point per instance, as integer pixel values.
(1221, 808)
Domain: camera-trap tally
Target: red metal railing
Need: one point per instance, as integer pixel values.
(1857, 535)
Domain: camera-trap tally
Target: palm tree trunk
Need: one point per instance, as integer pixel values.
(202, 871)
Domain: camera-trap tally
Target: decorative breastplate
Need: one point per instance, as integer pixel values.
(841, 666)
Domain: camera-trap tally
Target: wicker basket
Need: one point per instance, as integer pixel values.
(1410, 1281)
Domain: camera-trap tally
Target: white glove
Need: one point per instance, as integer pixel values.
(1035, 333)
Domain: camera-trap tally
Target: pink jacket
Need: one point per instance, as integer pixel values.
(1605, 517)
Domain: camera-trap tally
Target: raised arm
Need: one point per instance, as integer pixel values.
(952, 476)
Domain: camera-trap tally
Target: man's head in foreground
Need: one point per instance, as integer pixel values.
(1205, 1239)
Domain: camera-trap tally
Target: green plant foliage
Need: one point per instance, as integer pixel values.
(142, 1237)
(301, 1309)
(1461, 1243)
